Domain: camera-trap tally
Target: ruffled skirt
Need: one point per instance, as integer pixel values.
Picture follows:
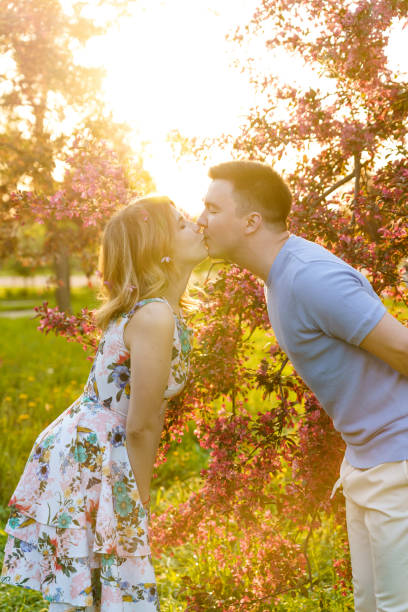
(77, 529)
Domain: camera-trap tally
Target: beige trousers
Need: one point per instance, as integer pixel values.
(377, 525)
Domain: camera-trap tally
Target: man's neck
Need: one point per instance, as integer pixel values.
(260, 254)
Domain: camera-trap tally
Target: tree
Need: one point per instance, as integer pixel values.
(46, 97)
(96, 183)
(42, 85)
(350, 130)
(349, 139)
(250, 523)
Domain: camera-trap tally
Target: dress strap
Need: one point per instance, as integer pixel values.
(147, 301)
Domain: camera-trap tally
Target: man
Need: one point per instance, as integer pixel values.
(349, 351)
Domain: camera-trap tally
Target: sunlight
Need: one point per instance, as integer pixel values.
(169, 67)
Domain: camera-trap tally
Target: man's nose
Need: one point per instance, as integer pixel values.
(201, 221)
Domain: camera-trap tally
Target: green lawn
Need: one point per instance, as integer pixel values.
(42, 375)
(21, 298)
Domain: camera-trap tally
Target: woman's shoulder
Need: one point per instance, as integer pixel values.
(149, 305)
(155, 320)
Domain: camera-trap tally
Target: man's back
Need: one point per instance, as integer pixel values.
(321, 309)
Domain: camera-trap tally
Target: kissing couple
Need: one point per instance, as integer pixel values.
(78, 526)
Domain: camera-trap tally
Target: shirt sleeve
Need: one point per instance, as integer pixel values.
(337, 299)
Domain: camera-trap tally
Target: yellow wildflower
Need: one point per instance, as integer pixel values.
(23, 417)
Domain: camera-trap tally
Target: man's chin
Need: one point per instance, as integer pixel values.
(213, 251)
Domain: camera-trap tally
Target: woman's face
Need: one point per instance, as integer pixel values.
(189, 247)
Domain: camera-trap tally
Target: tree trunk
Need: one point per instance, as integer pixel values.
(62, 273)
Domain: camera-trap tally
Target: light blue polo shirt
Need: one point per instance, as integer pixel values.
(321, 309)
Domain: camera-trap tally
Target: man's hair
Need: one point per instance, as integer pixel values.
(256, 187)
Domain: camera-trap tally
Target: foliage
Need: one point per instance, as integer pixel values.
(252, 520)
(264, 493)
(52, 117)
(46, 94)
(34, 392)
(97, 181)
(351, 128)
(74, 214)
(263, 480)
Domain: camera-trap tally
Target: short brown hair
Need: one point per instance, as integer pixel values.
(257, 187)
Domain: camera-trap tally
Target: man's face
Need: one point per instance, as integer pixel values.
(222, 227)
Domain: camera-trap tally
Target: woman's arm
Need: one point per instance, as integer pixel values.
(149, 337)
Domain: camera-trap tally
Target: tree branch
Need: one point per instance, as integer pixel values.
(330, 190)
(357, 174)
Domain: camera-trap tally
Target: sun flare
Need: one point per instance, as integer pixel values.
(170, 68)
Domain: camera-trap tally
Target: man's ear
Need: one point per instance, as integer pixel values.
(252, 222)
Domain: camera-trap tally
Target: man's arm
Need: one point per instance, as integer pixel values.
(389, 341)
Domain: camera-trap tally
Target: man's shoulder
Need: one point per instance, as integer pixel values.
(313, 268)
(307, 266)
(308, 252)
(311, 258)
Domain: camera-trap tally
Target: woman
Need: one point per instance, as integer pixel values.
(79, 515)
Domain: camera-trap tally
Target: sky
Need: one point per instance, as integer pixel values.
(169, 67)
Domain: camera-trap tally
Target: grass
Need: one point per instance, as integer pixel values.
(42, 375)
(25, 298)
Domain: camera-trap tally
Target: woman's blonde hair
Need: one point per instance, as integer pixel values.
(135, 260)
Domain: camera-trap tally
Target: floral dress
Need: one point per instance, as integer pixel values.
(77, 529)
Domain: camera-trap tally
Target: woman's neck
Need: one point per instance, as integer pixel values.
(176, 288)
